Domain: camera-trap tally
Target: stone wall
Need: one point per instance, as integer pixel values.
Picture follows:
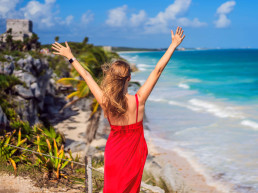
(108, 48)
(21, 28)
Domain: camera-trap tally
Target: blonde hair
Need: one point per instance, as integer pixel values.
(112, 85)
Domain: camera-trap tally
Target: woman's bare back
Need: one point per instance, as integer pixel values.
(131, 112)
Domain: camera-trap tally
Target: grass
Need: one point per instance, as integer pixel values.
(148, 178)
(40, 180)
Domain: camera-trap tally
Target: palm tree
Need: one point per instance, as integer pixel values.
(82, 91)
(57, 38)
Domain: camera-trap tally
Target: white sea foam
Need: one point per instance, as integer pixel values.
(141, 81)
(133, 58)
(142, 69)
(215, 109)
(252, 124)
(157, 99)
(193, 80)
(184, 105)
(219, 111)
(163, 143)
(189, 129)
(183, 85)
(144, 65)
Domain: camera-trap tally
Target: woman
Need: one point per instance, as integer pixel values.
(126, 149)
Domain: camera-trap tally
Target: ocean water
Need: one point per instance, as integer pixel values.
(205, 107)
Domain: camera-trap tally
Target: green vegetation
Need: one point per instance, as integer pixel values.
(29, 43)
(148, 178)
(8, 153)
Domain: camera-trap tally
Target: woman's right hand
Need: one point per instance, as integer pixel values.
(177, 38)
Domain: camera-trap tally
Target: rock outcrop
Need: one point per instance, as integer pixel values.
(39, 98)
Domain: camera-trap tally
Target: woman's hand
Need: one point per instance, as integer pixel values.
(61, 50)
(178, 38)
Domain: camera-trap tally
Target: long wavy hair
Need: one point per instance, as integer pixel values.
(113, 84)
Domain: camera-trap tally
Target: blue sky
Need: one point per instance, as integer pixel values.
(145, 24)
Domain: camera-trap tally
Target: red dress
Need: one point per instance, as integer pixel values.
(124, 158)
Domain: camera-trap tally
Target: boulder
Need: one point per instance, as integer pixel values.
(27, 110)
(23, 92)
(39, 96)
(6, 67)
(36, 91)
(7, 57)
(3, 119)
(42, 83)
(51, 88)
(26, 77)
(34, 66)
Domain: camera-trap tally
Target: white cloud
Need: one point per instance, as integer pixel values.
(172, 11)
(222, 12)
(173, 15)
(137, 19)
(160, 22)
(117, 17)
(7, 7)
(226, 8)
(222, 22)
(40, 12)
(50, 1)
(68, 19)
(184, 22)
(87, 17)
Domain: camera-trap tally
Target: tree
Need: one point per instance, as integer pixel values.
(9, 39)
(9, 31)
(34, 43)
(57, 38)
(85, 41)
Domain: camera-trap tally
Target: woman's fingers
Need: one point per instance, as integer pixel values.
(57, 49)
(54, 45)
(66, 44)
(183, 37)
(177, 29)
(172, 33)
(181, 33)
(56, 53)
(59, 44)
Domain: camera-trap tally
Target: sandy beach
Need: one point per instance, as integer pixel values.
(178, 171)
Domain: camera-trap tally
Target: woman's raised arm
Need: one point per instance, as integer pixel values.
(145, 90)
(66, 52)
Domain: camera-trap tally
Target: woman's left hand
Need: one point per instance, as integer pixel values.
(61, 50)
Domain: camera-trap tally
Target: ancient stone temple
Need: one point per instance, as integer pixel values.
(21, 28)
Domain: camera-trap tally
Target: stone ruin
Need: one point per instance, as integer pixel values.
(21, 28)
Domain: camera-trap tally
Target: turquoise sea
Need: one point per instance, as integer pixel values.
(205, 107)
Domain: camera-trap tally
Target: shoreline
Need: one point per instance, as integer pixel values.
(179, 172)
